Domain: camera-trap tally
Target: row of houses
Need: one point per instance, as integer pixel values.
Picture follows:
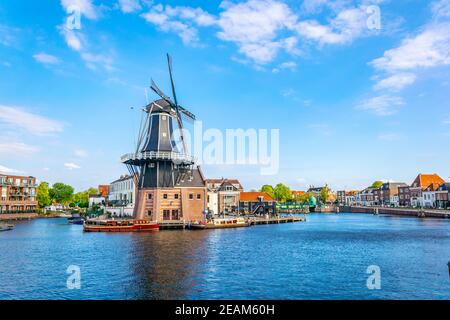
(426, 191)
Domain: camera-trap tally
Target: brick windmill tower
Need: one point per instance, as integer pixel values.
(170, 187)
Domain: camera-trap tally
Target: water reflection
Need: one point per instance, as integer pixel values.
(169, 264)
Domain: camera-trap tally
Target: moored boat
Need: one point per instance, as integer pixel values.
(6, 227)
(75, 219)
(220, 224)
(120, 225)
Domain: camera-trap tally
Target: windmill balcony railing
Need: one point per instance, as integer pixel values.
(157, 155)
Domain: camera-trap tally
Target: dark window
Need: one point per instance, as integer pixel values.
(165, 195)
(149, 196)
(176, 196)
(191, 196)
(199, 196)
(149, 212)
(166, 214)
(175, 215)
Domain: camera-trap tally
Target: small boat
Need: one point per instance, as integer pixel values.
(120, 225)
(76, 219)
(220, 224)
(6, 227)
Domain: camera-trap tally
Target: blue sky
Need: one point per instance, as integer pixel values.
(352, 103)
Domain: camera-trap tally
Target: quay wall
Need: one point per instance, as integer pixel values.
(18, 216)
(411, 212)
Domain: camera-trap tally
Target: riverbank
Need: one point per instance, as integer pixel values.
(410, 212)
(18, 216)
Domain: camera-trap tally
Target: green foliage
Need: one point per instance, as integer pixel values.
(92, 191)
(61, 193)
(269, 190)
(304, 199)
(324, 194)
(376, 184)
(81, 199)
(43, 195)
(282, 193)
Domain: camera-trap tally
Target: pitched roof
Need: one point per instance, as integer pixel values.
(253, 196)
(427, 180)
(224, 181)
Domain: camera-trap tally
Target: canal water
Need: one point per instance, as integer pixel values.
(325, 258)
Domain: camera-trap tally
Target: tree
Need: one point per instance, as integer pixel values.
(81, 199)
(268, 189)
(61, 193)
(282, 193)
(92, 191)
(43, 195)
(324, 194)
(304, 199)
(376, 184)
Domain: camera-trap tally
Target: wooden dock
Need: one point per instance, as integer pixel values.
(173, 225)
(275, 220)
(180, 224)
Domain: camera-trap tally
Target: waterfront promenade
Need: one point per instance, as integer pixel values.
(412, 212)
(17, 216)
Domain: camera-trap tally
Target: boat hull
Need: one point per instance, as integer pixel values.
(6, 228)
(142, 227)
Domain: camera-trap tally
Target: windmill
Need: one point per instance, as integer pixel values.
(159, 161)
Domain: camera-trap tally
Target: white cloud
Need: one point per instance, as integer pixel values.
(46, 58)
(396, 82)
(429, 48)
(344, 28)
(129, 6)
(95, 60)
(382, 105)
(288, 65)
(446, 121)
(71, 166)
(16, 149)
(188, 34)
(35, 124)
(181, 20)
(441, 8)
(6, 170)
(85, 7)
(74, 40)
(259, 28)
(197, 15)
(255, 26)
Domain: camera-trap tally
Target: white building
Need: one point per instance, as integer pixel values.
(96, 200)
(122, 192)
(428, 199)
(213, 202)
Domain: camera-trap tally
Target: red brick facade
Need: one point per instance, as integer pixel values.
(171, 204)
(17, 194)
